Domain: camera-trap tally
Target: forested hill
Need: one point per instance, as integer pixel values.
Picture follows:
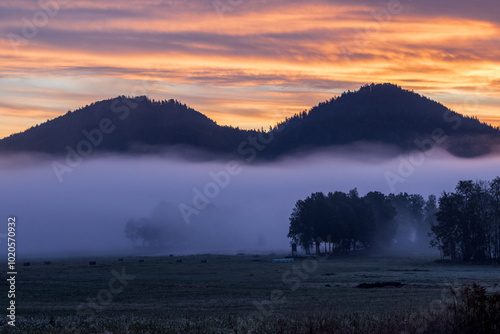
(386, 113)
(382, 113)
(127, 124)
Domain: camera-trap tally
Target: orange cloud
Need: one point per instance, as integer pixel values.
(244, 68)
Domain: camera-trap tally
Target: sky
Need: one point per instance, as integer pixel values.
(241, 62)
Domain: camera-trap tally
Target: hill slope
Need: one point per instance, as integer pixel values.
(382, 113)
(129, 124)
(385, 113)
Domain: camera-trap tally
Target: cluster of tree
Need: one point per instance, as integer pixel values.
(468, 222)
(345, 222)
(165, 228)
(146, 232)
(161, 229)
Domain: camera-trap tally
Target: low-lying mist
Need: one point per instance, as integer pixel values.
(216, 206)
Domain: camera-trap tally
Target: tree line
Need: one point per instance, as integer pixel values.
(465, 226)
(346, 222)
(468, 226)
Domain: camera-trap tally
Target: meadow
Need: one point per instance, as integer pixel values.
(240, 294)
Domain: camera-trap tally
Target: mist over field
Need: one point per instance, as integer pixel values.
(242, 207)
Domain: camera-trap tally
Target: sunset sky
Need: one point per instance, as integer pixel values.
(248, 63)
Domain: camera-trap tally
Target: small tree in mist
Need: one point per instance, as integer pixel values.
(151, 234)
(132, 230)
(163, 227)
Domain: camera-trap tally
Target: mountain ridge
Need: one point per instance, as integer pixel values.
(382, 113)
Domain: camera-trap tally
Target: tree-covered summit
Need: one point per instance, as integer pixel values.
(381, 114)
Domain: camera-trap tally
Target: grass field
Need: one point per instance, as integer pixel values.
(235, 294)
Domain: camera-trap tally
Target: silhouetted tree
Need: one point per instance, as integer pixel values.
(343, 222)
(467, 222)
(151, 234)
(446, 234)
(132, 230)
(495, 218)
(300, 229)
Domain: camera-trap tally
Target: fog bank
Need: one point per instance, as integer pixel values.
(224, 206)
